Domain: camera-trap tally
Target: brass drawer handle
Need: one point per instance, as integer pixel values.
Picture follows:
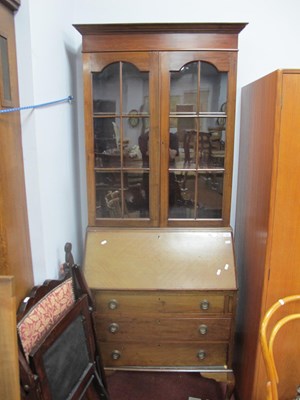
(116, 355)
(201, 354)
(113, 327)
(113, 304)
(203, 329)
(204, 305)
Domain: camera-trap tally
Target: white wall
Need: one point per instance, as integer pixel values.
(49, 63)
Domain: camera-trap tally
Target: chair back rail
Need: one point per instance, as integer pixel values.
(269, 330)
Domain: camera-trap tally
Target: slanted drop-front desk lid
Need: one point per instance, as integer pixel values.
(164, 259)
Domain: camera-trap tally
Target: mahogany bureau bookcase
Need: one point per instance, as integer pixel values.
(159, 104)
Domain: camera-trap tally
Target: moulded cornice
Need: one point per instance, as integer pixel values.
(218, 27)
(11, 4)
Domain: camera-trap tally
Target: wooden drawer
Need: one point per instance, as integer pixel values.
(163, 354)
(135, 302)
(162, 329)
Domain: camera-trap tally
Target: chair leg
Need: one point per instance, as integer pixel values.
(96, 391)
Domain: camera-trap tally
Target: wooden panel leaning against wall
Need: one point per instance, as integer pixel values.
(9, 369)
(15, 255)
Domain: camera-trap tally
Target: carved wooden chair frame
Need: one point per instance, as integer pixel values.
(46, 320)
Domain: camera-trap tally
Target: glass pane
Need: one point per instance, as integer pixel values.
(211, 147)
(182, 136)
(184, 89)
(210, 195)
(181, 194)
(217, 148)
(189, 94)
(107, 142)
(106, 90)
(213, 88)
(108, 195)
(136, 194)
(202, 136)
(136, 143)
(109, 200)
(135, 89)
(173, 149)
(5, 69)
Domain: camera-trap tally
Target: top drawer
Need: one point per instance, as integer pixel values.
(135, 302)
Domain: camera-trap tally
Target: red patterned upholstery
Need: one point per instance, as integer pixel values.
(44, 314)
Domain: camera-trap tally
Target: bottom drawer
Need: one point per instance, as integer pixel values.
(163, 354)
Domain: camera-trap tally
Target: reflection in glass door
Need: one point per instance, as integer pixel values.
(121, 135)
(197, 125)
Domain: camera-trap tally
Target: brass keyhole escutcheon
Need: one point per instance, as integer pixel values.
(204, 305)
(113, 304)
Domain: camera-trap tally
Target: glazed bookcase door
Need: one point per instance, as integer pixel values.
(122, 168)
(197, 119)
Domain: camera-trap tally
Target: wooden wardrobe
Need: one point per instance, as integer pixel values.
(15, 253)
(267, 232)
(16, 276)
